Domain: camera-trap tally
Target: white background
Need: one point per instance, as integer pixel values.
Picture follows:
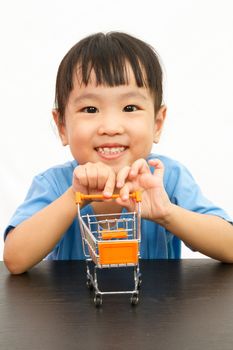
(195, 41)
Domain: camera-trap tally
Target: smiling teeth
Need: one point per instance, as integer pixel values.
(110, 150)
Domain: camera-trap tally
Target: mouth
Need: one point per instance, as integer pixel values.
(111, 151)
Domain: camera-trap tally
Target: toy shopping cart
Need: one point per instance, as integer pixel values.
(110, 241)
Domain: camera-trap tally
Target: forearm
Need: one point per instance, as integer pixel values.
(34, 238)
(207, 234)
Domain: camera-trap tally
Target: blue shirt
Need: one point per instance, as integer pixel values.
(156, 241)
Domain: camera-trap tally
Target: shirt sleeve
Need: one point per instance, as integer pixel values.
(185, 192)
(40, 194)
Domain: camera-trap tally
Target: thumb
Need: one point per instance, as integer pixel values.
(128, 204)
(158, 167)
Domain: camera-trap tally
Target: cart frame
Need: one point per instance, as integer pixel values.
(111, 241)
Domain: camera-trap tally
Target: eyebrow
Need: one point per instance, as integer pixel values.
(96, 96)
(135, 94)
(85, 96)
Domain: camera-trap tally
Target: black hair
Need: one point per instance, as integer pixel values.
(107, 55)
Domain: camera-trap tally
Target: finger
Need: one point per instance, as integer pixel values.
(110, 184)
(103, 172)
(76, 185)
(80, 176)
(122, 176)
(125, 191)
(158, 167)
(91, 172)
(128, 204)
(140, 166)
(79, 183)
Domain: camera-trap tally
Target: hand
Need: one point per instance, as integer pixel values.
(93, 178)
(155, 201)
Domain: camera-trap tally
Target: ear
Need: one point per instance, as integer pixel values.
(159, 122)
(60, 127)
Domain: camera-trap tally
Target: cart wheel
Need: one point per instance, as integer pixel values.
(89, 284)
(98, 300)
(134, 299)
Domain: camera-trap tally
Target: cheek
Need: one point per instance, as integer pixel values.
(143, 141)
(79, 140)
(78, 133)
(144, 131)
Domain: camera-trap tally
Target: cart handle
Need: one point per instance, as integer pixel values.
(79, 197)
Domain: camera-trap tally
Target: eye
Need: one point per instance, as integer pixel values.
(89, 109)
(130, 108)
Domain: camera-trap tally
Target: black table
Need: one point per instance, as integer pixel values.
(186, 304)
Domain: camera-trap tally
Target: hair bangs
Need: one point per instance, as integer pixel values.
(110, 64)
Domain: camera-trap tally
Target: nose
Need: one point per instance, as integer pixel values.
(111, 124)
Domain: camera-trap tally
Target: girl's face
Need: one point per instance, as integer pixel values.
(114, 125)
